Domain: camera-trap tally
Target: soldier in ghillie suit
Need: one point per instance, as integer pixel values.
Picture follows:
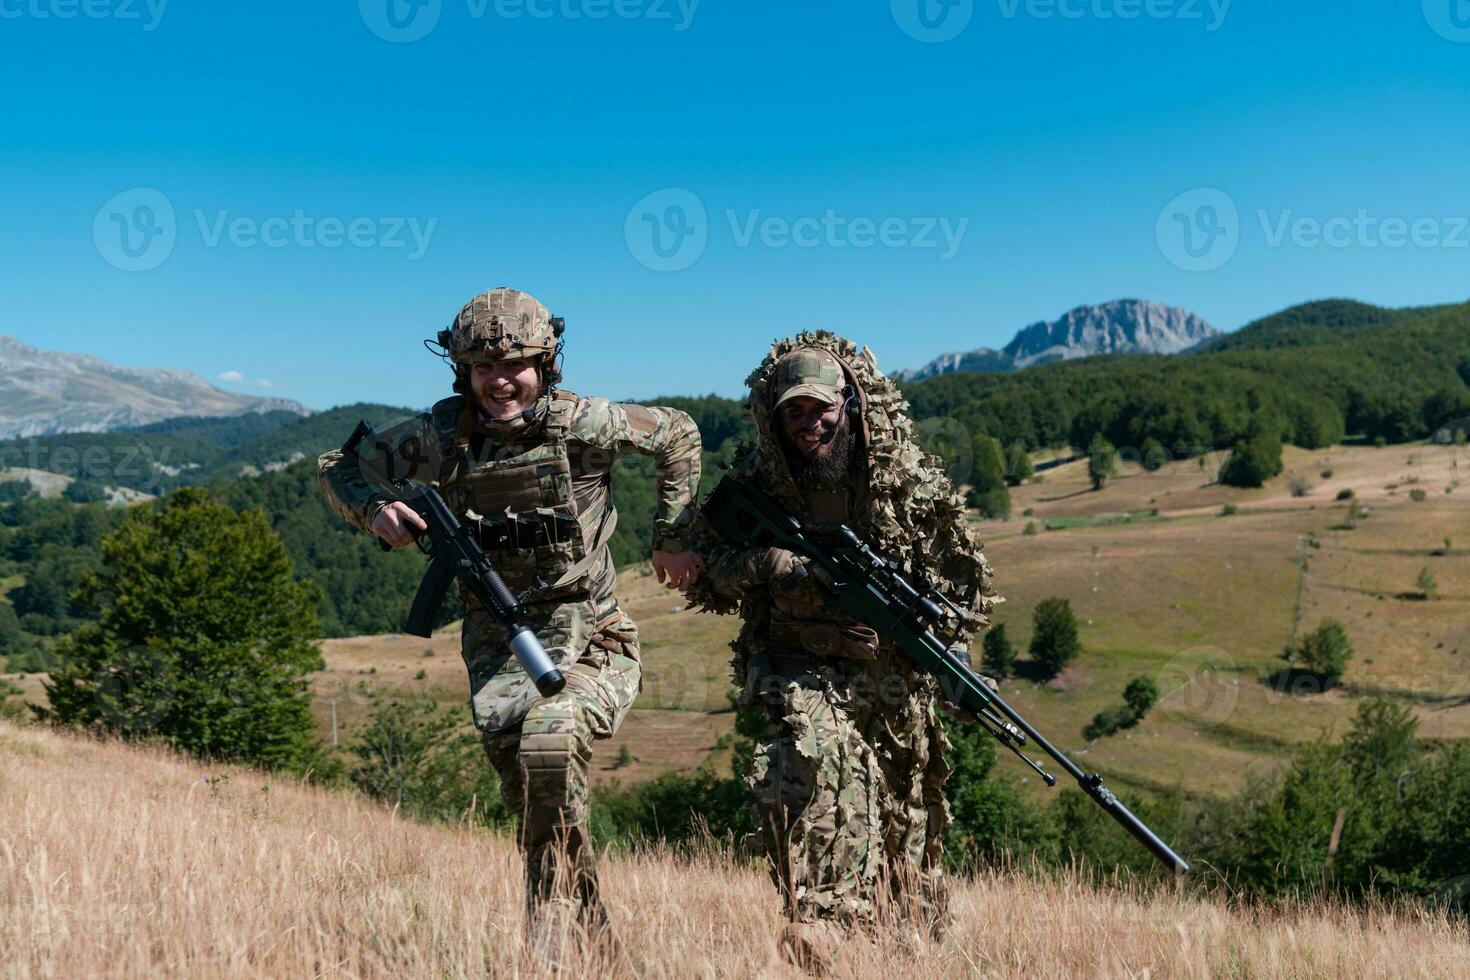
(849, 795)
(529, 466)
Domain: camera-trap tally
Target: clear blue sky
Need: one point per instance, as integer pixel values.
(519, 135)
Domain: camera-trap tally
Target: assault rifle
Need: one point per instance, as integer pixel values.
(454, 552)
(856, 581)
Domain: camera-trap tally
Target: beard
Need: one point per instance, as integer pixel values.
(832, 464)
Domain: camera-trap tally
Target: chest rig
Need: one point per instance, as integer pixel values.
(519, 491)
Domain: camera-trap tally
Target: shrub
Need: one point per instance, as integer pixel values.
(1018, 464)
(1345, 494)
(1327, 474)
(1102, 461)
(1325, 651)
(1426, 583)
(1031, 529)
(203, 637)
(1229, 510)
(998, 657)
(1256, 457)
(84, 492)
(1141, 695)
(1153, 454)
(1299, 486)
(1054, 642)
(1417, 495)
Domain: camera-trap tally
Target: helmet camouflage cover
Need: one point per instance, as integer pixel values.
(500, 324)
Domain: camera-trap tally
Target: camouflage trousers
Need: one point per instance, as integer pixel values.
(542, 747)
(850, 793)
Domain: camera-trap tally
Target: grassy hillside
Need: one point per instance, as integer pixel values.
(1314, 324)
(227, 873)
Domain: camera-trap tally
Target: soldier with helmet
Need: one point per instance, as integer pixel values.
(849, 791)
(530, 467)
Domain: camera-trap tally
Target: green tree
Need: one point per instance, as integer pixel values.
(85, 492)
(1153, 454)
(1141, 695)
(203, 637)
(1256, 457)
(1426, 583)
(1018, 464)
(998, 657)
(1324, 651)
(988, 492)
(1054, 642)
(1102, 461)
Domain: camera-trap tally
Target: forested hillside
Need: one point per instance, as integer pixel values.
(1315, 374)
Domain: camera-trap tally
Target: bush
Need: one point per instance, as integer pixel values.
(1018, 464)
(1102, 461)
(1345, 494)
(1141, 695)
(988, 494)
(1327, 474)
(1031, 529)
(1153, 454)
(84, 492)
(203, 638)
(1054, 642)
(1426, 583)
(1299, 486)
(1229, 510)
(1417, 495)
(998, 658)
(415, 755)
(1325, 651)
(1255, 459)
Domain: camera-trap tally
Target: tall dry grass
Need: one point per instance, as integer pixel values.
(119, 861)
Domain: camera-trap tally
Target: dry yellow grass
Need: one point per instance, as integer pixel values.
(126, 862)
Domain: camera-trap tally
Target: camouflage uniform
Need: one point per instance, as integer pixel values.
(539, 491)
(850, 793)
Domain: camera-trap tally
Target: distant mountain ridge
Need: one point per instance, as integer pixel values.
(44, 392)
(1125, 326)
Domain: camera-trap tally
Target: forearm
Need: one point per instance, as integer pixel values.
(346, 491)
(677, 464)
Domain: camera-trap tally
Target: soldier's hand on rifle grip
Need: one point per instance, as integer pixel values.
(398, 524)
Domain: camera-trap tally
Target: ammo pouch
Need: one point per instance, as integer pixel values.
(535, 550)
(837, 641)
(533, 530)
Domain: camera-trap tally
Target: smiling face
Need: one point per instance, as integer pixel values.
(505, 389)
(808, 424)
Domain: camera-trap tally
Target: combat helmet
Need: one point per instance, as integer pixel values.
(501, 324)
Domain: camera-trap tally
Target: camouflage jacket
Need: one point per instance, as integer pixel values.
(903, 506)
(458, 445)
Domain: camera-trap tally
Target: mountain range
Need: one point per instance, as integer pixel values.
(1125, 326)
(44, 392)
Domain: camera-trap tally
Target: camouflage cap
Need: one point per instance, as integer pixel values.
(809, 372)
(500, 324)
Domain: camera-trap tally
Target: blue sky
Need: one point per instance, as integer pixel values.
(923, 179)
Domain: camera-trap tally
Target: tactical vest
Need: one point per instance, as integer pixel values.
(521, 495)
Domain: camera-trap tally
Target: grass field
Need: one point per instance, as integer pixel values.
(130, 862)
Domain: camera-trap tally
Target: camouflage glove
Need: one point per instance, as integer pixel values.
(790, 575)
(955, 710)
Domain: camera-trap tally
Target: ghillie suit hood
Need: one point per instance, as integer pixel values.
(907, 509)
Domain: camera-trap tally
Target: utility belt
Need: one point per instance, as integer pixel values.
(524, 531)
(836, 641)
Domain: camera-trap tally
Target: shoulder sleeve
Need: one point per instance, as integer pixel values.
(670, 437)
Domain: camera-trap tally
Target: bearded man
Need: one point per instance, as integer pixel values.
(849, 794)
(529, 468)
